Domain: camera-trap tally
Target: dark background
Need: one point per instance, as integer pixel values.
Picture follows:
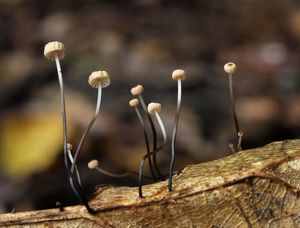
(139, 42)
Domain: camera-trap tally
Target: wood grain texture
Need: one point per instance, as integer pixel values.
(253, 188)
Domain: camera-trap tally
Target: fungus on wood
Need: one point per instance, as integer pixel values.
(252, 188)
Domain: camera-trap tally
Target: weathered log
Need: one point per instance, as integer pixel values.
(253, 188)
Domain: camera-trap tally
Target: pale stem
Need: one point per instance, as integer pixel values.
(237, 127)
(118, 175)
(88, 128)
(76, 169)
(162, 127)
(174, 135)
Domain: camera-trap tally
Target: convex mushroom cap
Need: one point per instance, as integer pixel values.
(93, 164)
(53, 49)
(99, 78)
(137, 90)
(134, 102)
(230, 68)
(178, 75)
(154, 108)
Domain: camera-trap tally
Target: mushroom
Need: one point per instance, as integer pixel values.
(177, 75)
(153, 109)
(231, 147)
(99, 80)
(240, 137)
(94, 164)
(230, 69)
(137, 91)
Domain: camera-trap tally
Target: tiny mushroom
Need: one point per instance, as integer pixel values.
(99, 80)
(137, 91)
(177, 75)
(154, 109)
(134, 102)
(93, 164)
(54, 50)
(230, 69)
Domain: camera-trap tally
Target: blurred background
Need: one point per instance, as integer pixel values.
(139, 42)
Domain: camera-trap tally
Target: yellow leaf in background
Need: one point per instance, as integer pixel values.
(30, 143)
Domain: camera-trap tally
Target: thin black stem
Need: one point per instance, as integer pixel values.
(88, 128)
(76, 168)
(174, 136)
(154, 159)
(146, 141)
(151, 153)
(74, 183)
(237, 128)
(141, 169)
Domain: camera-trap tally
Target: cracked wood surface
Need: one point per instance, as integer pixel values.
(253, 188)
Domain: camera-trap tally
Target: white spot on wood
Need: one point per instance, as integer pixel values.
(295, 164)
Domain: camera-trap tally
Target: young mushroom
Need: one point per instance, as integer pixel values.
(177, 75)
(153, 109)
(134, 103)
(231, 147)
(94, 164)
(137, 91)
(55, 51)
(230, 69)
(240, 137)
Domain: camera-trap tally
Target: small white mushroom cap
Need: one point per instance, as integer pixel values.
(69, 146)
(99, 78)
(230, 68)
(178, 75)
(53, 49)
(134, 102)
(240, 133)
(137, 90)
(154, 107)
(93, 164)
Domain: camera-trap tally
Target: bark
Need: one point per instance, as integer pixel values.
(253, 188)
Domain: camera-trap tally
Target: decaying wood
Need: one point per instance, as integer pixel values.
(254, 188)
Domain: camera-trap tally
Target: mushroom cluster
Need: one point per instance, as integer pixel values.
(100, 79)
(153, 109)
